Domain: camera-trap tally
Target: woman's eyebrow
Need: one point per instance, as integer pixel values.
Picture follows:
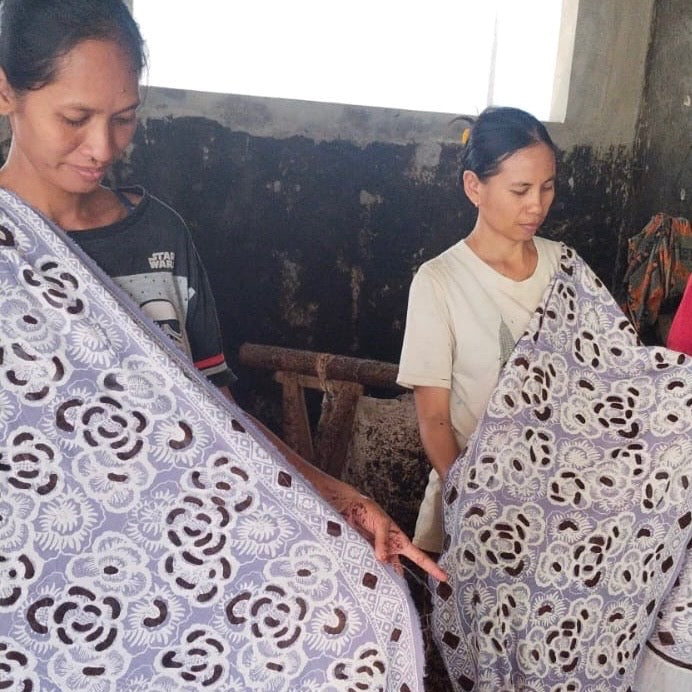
(521, 183)
(88, 109)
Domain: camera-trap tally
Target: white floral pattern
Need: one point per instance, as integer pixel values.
(151, 539)
(569, 516)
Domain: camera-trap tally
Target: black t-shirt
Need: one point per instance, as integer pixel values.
(151, 256)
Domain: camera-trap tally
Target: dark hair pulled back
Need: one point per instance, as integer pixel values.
(496, 134)
(35, 34)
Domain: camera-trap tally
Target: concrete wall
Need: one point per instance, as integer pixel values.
(312, 218)
(663, 178)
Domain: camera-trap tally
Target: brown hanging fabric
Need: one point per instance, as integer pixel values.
(659, 260)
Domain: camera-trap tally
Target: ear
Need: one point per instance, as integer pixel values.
(472, 186)
(7, 95)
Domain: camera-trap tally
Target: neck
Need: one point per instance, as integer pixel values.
(515, 259)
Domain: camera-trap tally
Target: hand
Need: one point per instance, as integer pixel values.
(378, 528)
(362, 513)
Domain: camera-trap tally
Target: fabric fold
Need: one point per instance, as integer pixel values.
(151, 538)
(567, 521)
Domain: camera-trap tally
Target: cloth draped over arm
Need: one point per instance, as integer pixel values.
(659, 260)
(151, 537)
(567, 521)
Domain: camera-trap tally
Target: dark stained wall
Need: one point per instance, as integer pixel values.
(663, 181)
(313, 218)
(313, 245)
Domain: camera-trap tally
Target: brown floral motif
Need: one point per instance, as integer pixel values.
(140, 387)
(569, 299)
(224, 476)
(587, 350)
(29, 462)
(505, 544)
(56, 286)
(589, 556)
(485, 473)
(82, 620)
(104, 424)
(16, 571)
(496, 631)
(614, 652)
(200, 562)
(656, 489)
(33, 376)
(537, 453)
(6, 237)
(655, 561)
(16, 668)
(272, 615)
(616, 412)
(199, 660)
(541, 447)
(24, 323)
(186, 437)
(563, 641)
(536, 389)
(568, 487)
(363, 673)
(632, 458)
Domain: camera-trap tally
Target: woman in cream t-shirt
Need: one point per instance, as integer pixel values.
(469, 305)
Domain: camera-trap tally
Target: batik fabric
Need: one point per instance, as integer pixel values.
(568, 518)
(151, 538)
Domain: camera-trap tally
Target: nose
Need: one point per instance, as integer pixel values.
(538, 203)
(99, 142)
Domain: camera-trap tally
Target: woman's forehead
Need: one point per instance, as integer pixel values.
(534, 161)
(95, 72)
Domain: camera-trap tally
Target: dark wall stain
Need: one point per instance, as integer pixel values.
(663, 178)
(592, 206)
(313, 245)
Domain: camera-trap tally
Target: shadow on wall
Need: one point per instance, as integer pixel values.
(313, 245)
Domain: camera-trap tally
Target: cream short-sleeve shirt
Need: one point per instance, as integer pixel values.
(463, 321)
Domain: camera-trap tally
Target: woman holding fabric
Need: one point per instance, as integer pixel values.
(69, 86)
(71, 100)
(549, 430)
(469, 306)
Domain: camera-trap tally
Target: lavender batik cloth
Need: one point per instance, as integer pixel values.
(151, 539)
(567, 520)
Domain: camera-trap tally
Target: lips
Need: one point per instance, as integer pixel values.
(90, 174)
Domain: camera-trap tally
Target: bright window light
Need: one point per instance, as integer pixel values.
(447, 56)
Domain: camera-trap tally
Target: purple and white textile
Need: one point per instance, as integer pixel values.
(568, 519)
(151, 538)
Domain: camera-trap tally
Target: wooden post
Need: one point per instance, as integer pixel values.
(295, 423)
(335, 426)
(341, 378)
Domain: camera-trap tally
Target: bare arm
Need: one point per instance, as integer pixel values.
(361, 512)
(435, 424)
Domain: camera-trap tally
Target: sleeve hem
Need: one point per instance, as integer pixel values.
(408, 380)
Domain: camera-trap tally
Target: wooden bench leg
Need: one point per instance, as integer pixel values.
(335, 426)
(296, 425)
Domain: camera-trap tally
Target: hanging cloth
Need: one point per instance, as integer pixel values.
(659, 260)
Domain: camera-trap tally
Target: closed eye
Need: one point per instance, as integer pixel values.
(75, 122)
